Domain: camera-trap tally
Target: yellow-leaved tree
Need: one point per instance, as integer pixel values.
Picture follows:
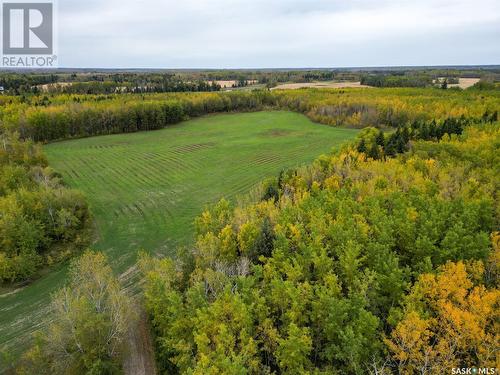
(450, 319)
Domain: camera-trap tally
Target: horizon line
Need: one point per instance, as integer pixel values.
(374, 67)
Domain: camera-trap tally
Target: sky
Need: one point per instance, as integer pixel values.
(277, 33)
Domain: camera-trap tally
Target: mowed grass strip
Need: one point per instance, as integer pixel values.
(145, 189)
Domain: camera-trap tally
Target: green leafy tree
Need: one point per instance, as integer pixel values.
(294, 350)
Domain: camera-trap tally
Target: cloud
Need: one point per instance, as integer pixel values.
(280, 33)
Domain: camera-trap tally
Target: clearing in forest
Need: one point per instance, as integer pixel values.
(145, 189)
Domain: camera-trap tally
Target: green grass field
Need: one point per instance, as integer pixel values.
(145, 189)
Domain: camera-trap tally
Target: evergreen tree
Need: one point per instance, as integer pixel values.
(424, 132)
(374, 152)
(392, 144)
(380, 140)
(405, 134)
(433, 131)
(362, 146)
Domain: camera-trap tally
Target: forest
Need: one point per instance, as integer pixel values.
(348, 266)
(382, 257)
(41, 221)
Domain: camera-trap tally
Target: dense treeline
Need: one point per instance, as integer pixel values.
(376, 145)
(349, 266)
(386, 107)
(65, 116)
(425, 77)
(41, 222)
(86, 118)
(15, 83)
(428, 78)
(385, 80)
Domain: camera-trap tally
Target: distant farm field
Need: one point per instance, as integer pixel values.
(319, 85)
(145, 189)
(465, 83)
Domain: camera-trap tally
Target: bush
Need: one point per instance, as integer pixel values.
(40, 219)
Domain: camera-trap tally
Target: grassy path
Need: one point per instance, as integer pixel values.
(146, 188)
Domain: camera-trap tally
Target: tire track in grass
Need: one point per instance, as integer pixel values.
(92, 175)
(124, 184)
(141, 170)
(193, 164)
(180, 164)
(83, 181)
(150, 174)
(154, 174)
(117, 163)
